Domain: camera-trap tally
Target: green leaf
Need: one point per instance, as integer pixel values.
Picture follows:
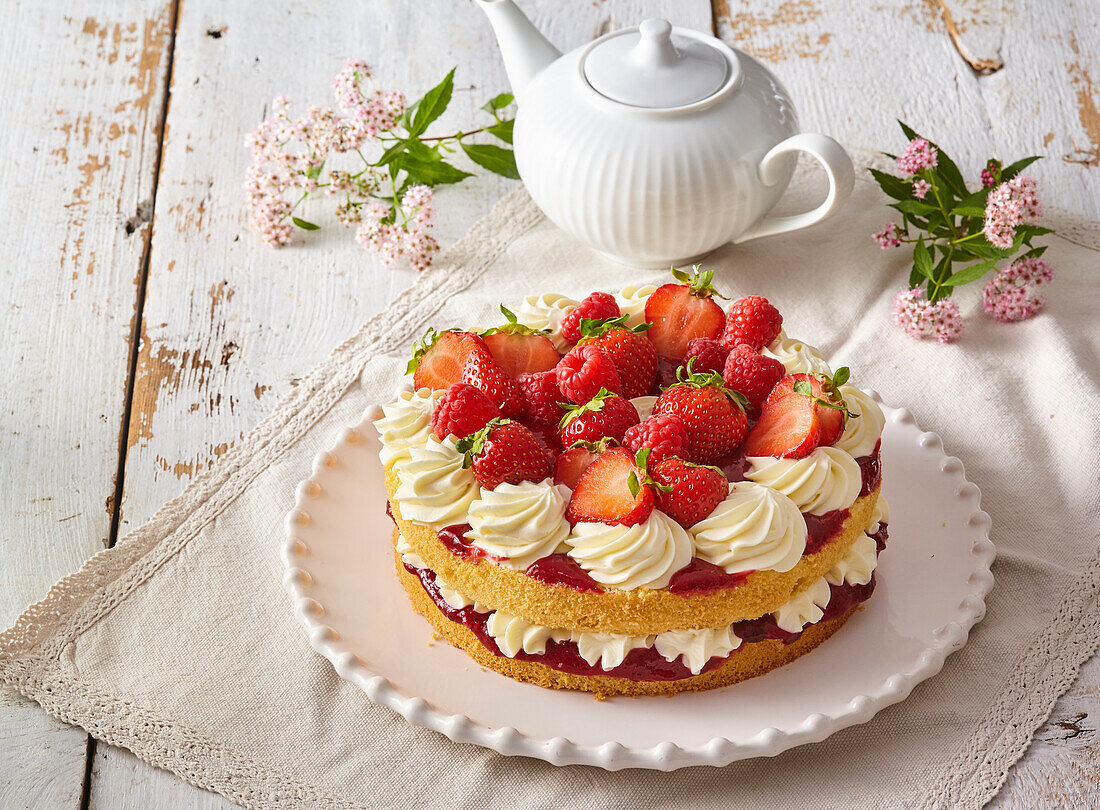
(304, 225)
(802, 387)
(494, 158)
(1033, 230)
(1010, 171)
(315, 171)
(922, 259)
(633, 485)
(434, 172)
(914, 207)
(893, 186)
(502, 130)
(1035, 253)
(968, 211)
(393, 151)
(971, 273)
(842, 375)
(432, 105)
(909, 133)
(947, 169)
(498, 102)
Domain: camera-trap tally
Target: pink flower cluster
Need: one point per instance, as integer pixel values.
(1011, 294)
(410, 238)
(921, 188)
(888, 237)
(364, 115)
(920, 318)
(1009, 205)
(919, 154)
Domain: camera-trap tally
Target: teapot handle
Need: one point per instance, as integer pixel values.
(837, 165)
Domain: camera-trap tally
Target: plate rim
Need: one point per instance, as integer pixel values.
(665, 756)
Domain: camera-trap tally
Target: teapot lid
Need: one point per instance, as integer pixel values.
(650, 66)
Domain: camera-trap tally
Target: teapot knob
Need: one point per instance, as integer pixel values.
(655, 43)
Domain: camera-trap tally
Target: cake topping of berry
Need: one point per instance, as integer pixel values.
(606, 415)
(462, 410)
(683, 311)
(543, 400)
(663, 434)
(688, 492)
(584, 371)
(802, 413)
(482, 371)
(519, 349)
(713, 414)
(634, 356)
(825, 392)
(504, 452)
(752, 320)
(575, 459)
(708, 354)
(439, 358)
(751, 373)
(603, 493)
(596, 307)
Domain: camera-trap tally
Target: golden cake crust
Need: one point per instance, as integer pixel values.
(626, 612)
(756, 659)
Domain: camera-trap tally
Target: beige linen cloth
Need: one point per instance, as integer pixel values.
(180, 643)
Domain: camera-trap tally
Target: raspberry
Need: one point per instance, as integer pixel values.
(753, 374)
(541, 397)
(751, 320)
(584, 371)
(462, 410)
(710, 355)
(598, 306)
(664, 434)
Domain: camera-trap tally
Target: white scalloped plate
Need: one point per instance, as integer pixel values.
(933, 578)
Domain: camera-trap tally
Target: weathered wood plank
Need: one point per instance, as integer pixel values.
(83, 87)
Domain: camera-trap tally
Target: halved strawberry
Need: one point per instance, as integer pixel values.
(788, 428)
(575, 460)
(519, 349)
(482, 371)
(604, 492)
(504, 452)
(633, 355)
(681, 312)
(440, 357)
(693, 491)
(824, 392)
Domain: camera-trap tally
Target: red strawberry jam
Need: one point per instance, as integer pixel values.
(700, 576)
(820, 529)
(561, 569)
(455, 540)
(871, 468)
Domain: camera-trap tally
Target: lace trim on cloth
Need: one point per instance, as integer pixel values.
(31, 650)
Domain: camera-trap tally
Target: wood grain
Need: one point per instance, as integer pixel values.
(78, 161)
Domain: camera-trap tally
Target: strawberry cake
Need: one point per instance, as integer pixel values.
(636, 493)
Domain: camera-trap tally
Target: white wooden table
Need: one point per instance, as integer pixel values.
(147, 329)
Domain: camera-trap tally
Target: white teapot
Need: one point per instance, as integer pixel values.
(655, 145)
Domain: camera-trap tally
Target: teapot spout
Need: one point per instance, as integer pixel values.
(525, 51)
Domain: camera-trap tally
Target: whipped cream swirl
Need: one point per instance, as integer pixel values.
(696, 647)
(797, 357)
(753, 528)
(546, 312)
(857, 565)
(825, 480)
(609, 649)
(879, 515)
(408, 553)
(644, 406)
(512, 634)
(861, 433)
(406, 422)
(434, 488)
(631, 300)
(521, 522)
(626, 557)
(805, 608)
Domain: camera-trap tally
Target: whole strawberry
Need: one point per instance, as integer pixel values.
(752, 320)
(709, 355)
(542, 398)
(683, 311)
(606, 415)
(713, 415)
(584, 371)
(662, 434)
(440, 357)
(519, 349)
(751, 373)
(598, 306)
(462, 410)
(687, 492)
(612, 490)
(504, 452)
(482, 371)
(634, 356)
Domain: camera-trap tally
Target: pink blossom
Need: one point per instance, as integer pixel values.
(1011, 294)
(408, 238)
(919, 154)
(919, 318)
(921, 188)
(1009, 205)
(888, 237)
